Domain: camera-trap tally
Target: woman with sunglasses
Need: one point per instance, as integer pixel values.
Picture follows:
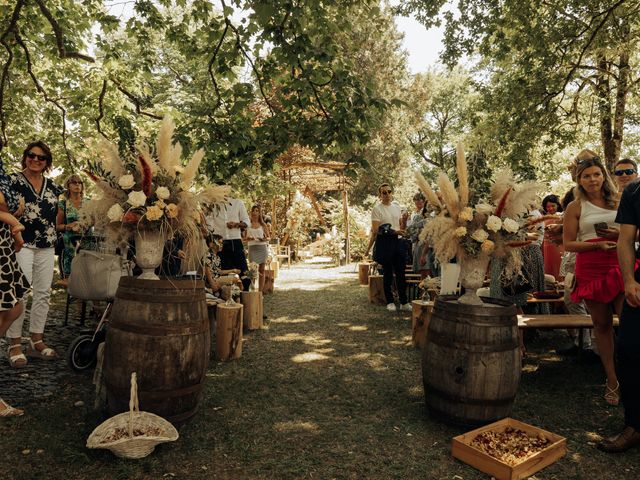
(36, 259)
(68, 217)
(598, 281)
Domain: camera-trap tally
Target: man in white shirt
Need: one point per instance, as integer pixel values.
(228, 222)
(390, 250)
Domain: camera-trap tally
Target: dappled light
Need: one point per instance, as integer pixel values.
(309, 357)
(359, 328)
(289, 320)
(293, 426)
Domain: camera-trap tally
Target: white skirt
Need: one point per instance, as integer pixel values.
(258, 253)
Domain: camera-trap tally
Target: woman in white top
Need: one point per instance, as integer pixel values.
(258, 239)
(589, 230)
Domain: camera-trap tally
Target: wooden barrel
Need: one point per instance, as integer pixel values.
(160, 330)
(471, 361)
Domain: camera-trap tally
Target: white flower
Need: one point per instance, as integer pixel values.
(466, 215)
(126, 182)
(163, 193)
(480, 235)
(460, 231)
(115, 213)
(154, 212)
(494, 223)
(137, 198)
(172, 211)
(484, 208)
(510, 225)
(487, 246)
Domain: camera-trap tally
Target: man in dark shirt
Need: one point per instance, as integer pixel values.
(629, 333)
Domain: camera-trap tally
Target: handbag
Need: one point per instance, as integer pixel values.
(95, 275)
(516, 286)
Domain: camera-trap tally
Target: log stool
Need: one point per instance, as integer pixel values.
(274, 266)
(268, 282)
(252, 316)
(228, 331)
(376, 290)
(420, 318)
(363, 273)
(211, 313)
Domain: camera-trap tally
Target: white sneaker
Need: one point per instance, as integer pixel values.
(406, 307)
(391, 307)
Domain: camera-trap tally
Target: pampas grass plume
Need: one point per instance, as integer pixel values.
(463, 176)
(449, 195)
(164, 145)
(192, 168)
(423, 185)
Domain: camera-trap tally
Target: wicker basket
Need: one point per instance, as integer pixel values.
(117, 433)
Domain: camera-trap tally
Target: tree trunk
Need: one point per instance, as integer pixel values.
(603, 91)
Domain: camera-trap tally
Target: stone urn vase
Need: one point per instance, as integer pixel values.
(472, 273)
(149, 248)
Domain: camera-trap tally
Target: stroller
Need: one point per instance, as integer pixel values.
(82, 354)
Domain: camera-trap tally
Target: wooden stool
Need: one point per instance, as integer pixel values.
(228, 331)
(376, 290)
(211, 313)
(268, 282)
(420, 318)
(252, 316)
(363, 273)
(274, 267)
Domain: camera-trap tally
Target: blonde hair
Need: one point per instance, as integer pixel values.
(72, 178)
(586, 159)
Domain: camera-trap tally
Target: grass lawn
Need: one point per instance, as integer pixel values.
(330, 389)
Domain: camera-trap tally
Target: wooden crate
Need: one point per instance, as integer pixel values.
(461, 450)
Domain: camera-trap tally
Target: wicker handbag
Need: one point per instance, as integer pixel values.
(134, 434)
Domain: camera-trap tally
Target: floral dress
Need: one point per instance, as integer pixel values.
(70, 238)
(41, 208)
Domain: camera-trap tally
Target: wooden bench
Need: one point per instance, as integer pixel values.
(559, 321)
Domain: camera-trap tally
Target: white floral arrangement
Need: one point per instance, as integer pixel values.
(150, 190)
(492, 228)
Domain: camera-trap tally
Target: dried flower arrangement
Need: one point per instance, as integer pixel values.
(492, 228)
(149, 190)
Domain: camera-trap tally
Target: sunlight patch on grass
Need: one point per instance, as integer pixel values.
(347, 325)
(289, 337)
(309, 357)
(417, 391)
(289, 320)
(593, 436)
(292, 426)
(383, 332)
(359, 328)
(530, 368)
(361, 356)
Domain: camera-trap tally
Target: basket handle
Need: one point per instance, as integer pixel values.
(133, 402)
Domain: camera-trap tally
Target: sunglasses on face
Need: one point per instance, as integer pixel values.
(385, 192)
(627, 171)
(34, 156)
(592, 159)
(75, 182)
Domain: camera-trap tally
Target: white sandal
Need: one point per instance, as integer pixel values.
(45, 354)
(9, 411)
(18, 360)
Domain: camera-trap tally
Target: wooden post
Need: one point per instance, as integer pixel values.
(363, 273)
(211, 313)
(268, 282)
(420, 318)
(345, 210)
(252, 314)
(228, 331)
(376, 290)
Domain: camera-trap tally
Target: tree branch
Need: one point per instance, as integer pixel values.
(135, 100)
(5, 70)
(57, 31)
(210, 67)
(101, 108)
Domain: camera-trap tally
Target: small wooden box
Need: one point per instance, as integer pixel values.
(461, 449)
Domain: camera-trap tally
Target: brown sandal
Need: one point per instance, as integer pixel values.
(612, 395)
(9, 411)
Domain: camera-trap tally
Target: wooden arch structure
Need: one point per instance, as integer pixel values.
(311, 178)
